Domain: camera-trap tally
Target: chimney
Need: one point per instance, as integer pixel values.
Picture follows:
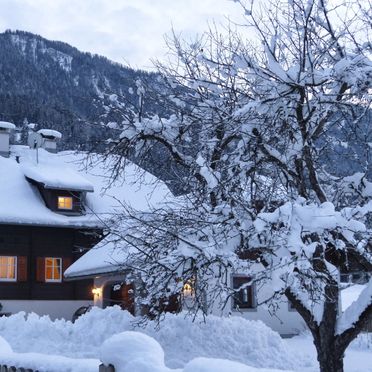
(50, 138)
(5, 129)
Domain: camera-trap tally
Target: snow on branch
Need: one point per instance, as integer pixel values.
(353, 313)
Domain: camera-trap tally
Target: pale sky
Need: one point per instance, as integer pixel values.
(126, 31)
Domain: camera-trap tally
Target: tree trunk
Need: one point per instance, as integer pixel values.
(330, 359)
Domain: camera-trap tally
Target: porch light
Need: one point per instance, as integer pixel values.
(187, 289)
(96, 291)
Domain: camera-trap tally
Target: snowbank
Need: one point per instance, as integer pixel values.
(221, 365)
(133, 351)
(43, 362)
(234, 338)
(137, 352)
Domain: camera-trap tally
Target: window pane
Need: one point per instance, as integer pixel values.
(3, 272)
(64, 202)
(8, 267)
(11, 268)
(48, 273)
(56, 273)
(53, 269)
(244, 296)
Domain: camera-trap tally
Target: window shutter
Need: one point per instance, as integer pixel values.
(22, 269)
(40, 269)
(66, 262)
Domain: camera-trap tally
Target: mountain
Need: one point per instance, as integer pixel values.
(57, 86)
(83, 96)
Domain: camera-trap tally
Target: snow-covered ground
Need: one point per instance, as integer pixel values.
(236, 339)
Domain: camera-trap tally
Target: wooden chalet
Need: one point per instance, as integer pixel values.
(45, 225)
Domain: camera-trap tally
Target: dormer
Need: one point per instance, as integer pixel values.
(5, 130)
(62, 189)
(63, 201)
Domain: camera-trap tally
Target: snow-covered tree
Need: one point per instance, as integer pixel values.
(270, 128)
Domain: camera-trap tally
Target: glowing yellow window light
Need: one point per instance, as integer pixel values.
(53, 269)
(65, 202)
(8, 268)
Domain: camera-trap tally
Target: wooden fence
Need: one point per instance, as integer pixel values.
(5, 368)
(103, 368)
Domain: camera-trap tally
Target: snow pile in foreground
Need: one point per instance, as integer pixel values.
(235, 338)
(127, 351)
(137, 352)
(43, 362)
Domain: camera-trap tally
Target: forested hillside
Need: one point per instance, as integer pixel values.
(88, 98)
(59, 87)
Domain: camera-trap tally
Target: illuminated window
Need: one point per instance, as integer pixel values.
(65, 202)
(8, 268)
(53, 269)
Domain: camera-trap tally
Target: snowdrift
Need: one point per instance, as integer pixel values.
(235, 338)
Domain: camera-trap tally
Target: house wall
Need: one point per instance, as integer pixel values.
(35, 295)
(285, 320)
(103, 284)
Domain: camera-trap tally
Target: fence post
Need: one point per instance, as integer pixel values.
(104, 368)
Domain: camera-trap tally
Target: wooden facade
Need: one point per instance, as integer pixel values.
(31, 245)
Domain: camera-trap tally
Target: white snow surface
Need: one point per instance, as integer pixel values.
(354, 310)
(351, 294)
(133, 351)
(126, 190)
(21, 202)
(6, 125)
(50, 133)
(235, 338)
(105, 257)
(50, 171)
(45, 362)
(238, 344)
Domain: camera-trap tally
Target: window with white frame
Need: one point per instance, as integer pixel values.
(245, 294)
(8, 268)
(53, 269)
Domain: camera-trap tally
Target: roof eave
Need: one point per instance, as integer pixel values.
(91, 275)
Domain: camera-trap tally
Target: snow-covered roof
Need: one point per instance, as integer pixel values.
(50, 133)
(6, 125)
(21, 202)
(104, 258)
(55, 177)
